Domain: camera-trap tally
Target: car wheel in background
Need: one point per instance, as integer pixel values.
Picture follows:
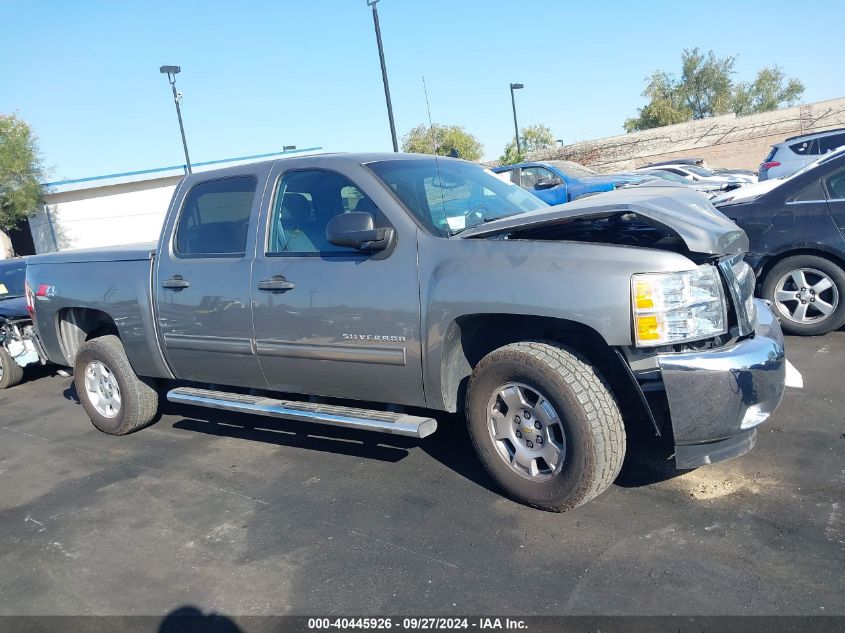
(10, 372)
(114, 397)
(545, 425)
(807, 293)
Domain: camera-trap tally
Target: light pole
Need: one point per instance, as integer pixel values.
(515, 125)
(372, 3)
(171, 72)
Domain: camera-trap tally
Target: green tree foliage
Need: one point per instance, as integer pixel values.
(443, 140)
(20, 172)
(531, 139)
(706, 88)
(769, 91)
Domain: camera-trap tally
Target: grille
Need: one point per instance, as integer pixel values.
(740, 280)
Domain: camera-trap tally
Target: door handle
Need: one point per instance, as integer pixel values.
(276, 283)
(175, 283)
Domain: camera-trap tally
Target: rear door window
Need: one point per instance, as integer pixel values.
(830, 143)
(835, 185)
(811, 193)
(215, 218)
(805, 148)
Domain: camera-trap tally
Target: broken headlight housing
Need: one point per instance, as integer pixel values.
(679, 307)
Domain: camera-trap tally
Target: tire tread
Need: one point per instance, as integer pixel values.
(595, 396)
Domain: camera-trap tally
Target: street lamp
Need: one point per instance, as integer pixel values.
(515, 125)
(372, 3)
(171, 72)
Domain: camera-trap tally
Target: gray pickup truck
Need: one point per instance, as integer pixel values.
(373, 291)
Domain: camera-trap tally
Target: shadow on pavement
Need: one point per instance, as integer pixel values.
(191, 618)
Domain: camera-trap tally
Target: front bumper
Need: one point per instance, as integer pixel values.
(717, 397)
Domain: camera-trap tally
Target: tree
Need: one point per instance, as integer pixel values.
(443, 140)
(531, 139)
(769, 91)
(20, 172)
(706, 88)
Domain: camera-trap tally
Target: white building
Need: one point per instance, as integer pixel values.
(116, 208)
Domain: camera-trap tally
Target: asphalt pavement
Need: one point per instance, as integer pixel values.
(247, 515)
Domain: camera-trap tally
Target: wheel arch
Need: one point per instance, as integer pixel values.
(471, 337)
(75, 326)
(816, 250)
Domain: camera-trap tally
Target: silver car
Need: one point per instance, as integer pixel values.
(797, 152)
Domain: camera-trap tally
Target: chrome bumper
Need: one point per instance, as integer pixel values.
(717, 397)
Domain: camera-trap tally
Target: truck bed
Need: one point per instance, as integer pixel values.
(75, 288)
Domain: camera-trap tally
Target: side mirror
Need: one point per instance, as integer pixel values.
(547, 183)
(355, 230)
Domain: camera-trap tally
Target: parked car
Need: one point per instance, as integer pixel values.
(559, 181)
(709, 189)
(746, 192)
(724, 171)
(417, 281)
(696, 173)
(785, 158)
(797, 247)
(19, 346)
(757, 189)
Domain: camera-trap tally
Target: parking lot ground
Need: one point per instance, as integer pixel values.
(247, 515)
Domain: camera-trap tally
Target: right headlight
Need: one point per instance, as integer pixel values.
(678, 307)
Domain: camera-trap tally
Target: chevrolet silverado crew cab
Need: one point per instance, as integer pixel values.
(373, 291)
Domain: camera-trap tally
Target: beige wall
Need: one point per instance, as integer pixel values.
(103, 216)
(725, 141)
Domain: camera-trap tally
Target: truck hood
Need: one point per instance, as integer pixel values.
(126, 252)
(678, 210)
(14, 308)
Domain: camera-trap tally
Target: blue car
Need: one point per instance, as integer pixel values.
(559, 181)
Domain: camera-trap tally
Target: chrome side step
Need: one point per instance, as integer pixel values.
(349, 417)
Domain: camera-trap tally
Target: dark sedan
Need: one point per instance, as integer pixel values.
(797, 246)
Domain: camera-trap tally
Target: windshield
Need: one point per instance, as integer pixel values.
(700, 171)
(11, 279)
(668, 175)
(574, 170)
(449, 196)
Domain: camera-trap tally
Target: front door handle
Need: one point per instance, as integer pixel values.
(276, 283)
(175, 283)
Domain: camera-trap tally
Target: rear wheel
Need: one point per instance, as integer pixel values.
(11, 373)
(807, 293)
(545, 425)
(114, 397)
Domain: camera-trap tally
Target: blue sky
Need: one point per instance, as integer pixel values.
(259, 75)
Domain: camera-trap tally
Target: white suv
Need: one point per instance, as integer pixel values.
(799, 151)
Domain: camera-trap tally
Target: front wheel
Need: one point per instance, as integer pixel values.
(807, 293)
(10, 372)
(114, 397)
(545, 425)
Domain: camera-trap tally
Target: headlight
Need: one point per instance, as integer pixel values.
(678, 307)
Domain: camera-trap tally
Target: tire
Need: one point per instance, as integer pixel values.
(11, 373)
(589, 427)
(783, 288)
(136, 405)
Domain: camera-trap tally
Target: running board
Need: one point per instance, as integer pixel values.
(348, 417)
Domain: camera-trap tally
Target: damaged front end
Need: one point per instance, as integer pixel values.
(707, 358)
(20, 343)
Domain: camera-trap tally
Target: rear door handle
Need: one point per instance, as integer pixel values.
(277, 282)
(175, 283)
